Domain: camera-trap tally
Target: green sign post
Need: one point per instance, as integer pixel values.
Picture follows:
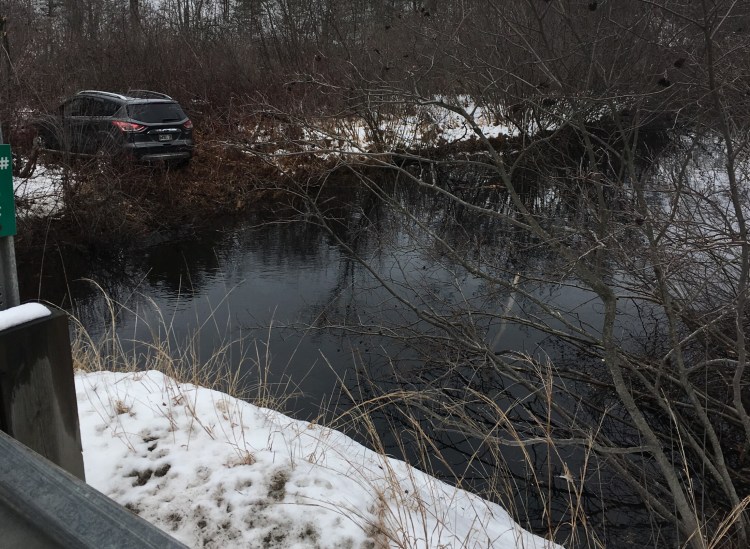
(8, 276)
(7, 203)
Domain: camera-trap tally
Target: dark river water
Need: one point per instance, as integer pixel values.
(297, 310)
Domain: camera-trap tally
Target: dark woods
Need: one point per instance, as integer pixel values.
(327, 55)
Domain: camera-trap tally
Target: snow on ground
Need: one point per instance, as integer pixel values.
(397, 125)
(40, 194)
(454, 128)
(215, 471)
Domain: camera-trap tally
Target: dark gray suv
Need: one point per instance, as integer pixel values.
(137, 125)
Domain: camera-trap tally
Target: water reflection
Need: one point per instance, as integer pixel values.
(297, 295)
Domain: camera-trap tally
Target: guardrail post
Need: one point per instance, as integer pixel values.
(38, 404)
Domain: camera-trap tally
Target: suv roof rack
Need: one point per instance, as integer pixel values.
(105, 93)
(147, 94)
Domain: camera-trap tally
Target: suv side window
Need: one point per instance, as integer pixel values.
(74, 107)
(89, 106)
(109, 108)
(102, 107)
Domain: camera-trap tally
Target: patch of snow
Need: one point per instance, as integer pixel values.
(215, 471)
(15, 316)
(40, 194)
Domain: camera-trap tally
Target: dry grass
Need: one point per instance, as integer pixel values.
(394, 525)
(239, 366)
(419, 410)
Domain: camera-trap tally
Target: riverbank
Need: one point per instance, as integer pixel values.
(283, 162)
(215, 471)
(209, 451)
(238, 163)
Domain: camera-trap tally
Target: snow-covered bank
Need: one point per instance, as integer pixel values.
(218, 472)
(41, 194)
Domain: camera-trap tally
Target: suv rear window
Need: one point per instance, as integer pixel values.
(156, 112)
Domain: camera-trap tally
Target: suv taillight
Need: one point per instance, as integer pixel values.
(188, 125)
(128, 126)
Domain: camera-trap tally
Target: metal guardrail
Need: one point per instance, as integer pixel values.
(43, 506)
(44, 502)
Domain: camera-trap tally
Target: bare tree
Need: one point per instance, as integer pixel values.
(135, 13)
(620, 136)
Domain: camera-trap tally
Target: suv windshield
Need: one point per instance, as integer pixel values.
(156, 112)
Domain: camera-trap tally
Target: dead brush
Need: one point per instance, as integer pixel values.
(419, 414)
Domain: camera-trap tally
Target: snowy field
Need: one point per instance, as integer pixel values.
(218, 472)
